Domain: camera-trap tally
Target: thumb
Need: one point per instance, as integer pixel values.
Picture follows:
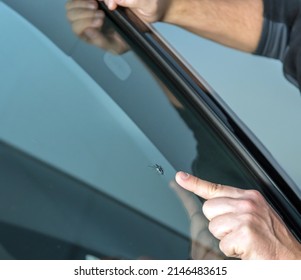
(112, 4)
(132, 3)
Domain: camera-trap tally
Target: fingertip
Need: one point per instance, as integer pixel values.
(187, 181)
(112, 4)
(181, 176)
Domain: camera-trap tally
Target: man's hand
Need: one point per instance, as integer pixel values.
(87, 23)
(234, 23)
(245, 224)
(147, 10)
(203, 244)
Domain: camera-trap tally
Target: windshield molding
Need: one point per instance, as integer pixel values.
(281, 190)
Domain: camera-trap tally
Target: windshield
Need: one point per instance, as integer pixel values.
(96, 138)
(248, 84)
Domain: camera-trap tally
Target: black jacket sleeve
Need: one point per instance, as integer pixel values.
(281, 36)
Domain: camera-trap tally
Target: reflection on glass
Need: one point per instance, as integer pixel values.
(106, 201)
(178, 132)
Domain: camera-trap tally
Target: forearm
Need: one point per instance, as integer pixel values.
(234, 23)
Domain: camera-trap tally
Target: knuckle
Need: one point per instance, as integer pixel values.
(248, 206)
(226, 249)
(195, 184)
(247, 235)
(248, 222)
(195, 181)
(254, 195)
(213, 188)
(247, 231)
(242, 240)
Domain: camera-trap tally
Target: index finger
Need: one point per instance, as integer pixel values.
(205, 189)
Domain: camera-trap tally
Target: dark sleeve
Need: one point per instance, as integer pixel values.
(281, 36)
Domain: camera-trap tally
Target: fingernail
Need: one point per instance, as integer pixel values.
(183, 175)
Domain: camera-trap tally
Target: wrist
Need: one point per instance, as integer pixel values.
(174, 11)
(193, 15)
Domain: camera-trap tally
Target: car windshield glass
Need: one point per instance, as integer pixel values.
(255, 89)
(96, 138)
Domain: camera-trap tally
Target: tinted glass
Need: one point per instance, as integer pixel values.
(255, 89)
(101, 137)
